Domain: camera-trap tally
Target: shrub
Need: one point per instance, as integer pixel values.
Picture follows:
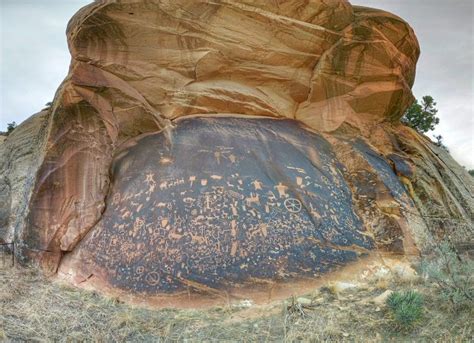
(452, 274)
(406, 309)
(10, 127)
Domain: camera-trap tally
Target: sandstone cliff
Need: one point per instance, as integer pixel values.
(205, 145)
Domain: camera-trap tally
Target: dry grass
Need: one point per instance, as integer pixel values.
(35, 309)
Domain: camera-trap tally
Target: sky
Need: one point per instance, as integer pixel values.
(34, 60)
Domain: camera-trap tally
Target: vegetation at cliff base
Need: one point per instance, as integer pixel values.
(452, 275)
(406, 308)
(37, 309)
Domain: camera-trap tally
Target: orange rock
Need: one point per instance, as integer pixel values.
(141, 68)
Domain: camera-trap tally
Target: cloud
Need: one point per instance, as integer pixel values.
(34, 54)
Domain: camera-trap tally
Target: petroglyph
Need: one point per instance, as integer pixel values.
(257, 185)
(293, 205)
(152, 278)
(281, 190)
(214, 223)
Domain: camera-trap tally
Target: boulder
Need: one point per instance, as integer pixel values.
(214, 148)
(381, 299)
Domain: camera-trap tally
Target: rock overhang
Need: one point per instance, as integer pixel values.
(322, 63)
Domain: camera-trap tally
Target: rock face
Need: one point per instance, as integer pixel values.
(200, 146)
(322, 63)
(223, 200)
(21, 156)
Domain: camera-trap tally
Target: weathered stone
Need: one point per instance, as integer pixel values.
(224, 102)
(21, 155)
(340, 287)
(304, 301)
(405, 273)
(219, 201)
(381, 299)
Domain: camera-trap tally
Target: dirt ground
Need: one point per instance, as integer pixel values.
(33, 308)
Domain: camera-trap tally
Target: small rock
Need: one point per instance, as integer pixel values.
(382, 298)
(319, 300)
(405, 273)
(303, 301)
(382, 273)
(243, 304)
(341, 287)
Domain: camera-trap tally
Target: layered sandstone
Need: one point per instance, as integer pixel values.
(223, 103)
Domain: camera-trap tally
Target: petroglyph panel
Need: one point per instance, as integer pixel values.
(217, 201)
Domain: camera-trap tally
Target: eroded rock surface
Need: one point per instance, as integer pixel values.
(220, 202)
(166, 101)
(20, 157)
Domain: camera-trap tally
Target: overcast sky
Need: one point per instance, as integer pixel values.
(35, 59)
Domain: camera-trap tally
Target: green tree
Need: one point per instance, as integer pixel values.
(471, 172)
(10, 127)
(406, 308)
(439, 142)
(422, 117)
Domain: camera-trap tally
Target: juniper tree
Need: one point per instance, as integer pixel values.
(422, 117)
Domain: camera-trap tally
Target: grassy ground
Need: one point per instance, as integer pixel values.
(35, 309)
